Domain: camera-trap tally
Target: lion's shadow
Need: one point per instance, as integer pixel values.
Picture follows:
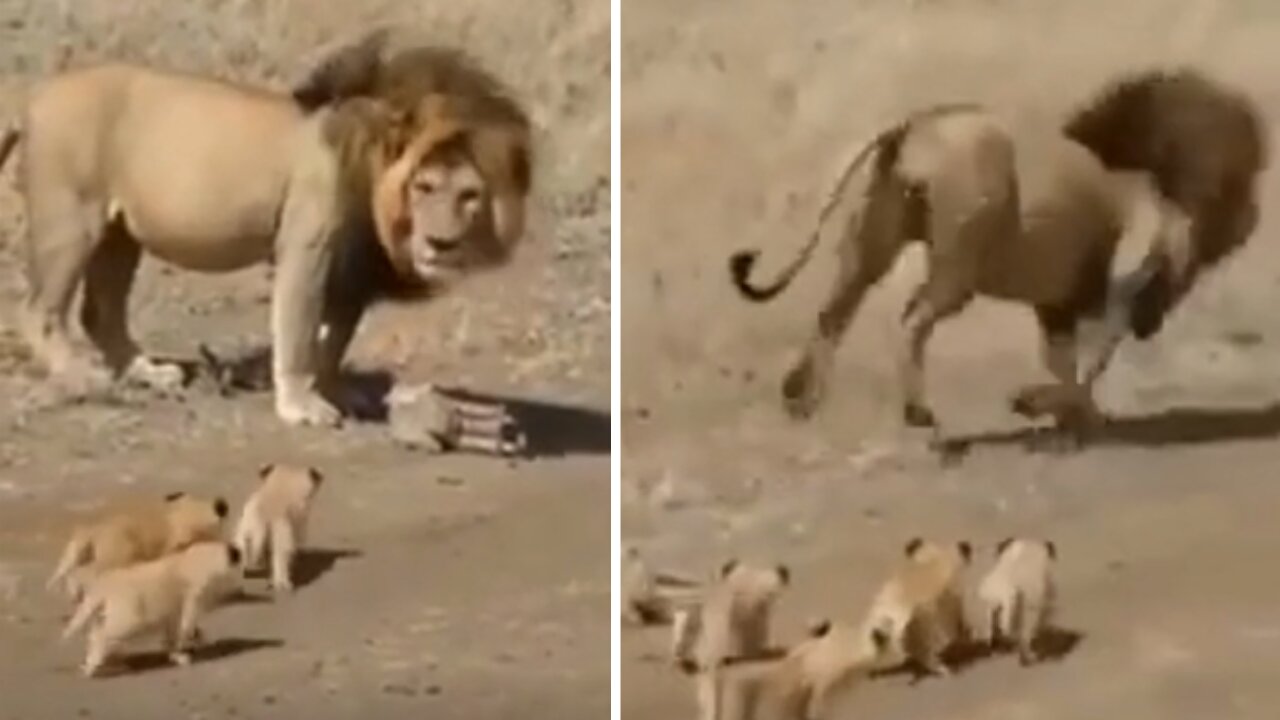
(550, 428)
(1164, 428)
(138, 663)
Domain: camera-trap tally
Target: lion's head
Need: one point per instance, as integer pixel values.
(453, 198)
(450, 152)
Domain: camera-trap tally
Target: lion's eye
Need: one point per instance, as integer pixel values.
(426, 187)
(468, 196)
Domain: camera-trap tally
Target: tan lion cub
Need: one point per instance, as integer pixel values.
(806, 681)
(142, 532)
(919, 611)
(167, 595)
(276, 514)
(1018, 594)
(731, 621)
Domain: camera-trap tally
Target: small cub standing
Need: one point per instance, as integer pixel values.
(1018, 594)
(167, 595)
(919, 611)
(806, 681)
(277, 513)
(731, 621)
(143, 532)
(650, 597)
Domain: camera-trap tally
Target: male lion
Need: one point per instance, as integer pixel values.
(1168, 160)
(1037, 225)
(354, 200)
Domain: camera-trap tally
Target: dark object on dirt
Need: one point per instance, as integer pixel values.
(421, 417)
(248, 370)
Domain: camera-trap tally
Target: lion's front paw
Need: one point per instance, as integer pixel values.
(307, 408)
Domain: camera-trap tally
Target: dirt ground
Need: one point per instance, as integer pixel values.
(735, 124)
(456, 586)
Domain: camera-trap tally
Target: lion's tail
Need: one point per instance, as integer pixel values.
(743, 262)
(89, 606)
(8, 142)
(77, 552)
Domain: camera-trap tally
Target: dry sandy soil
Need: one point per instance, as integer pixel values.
(735, 123)
(456, 586)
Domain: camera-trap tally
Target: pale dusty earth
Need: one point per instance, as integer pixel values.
(445, 587)
(737, 118)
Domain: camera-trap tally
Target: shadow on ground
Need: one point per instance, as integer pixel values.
(551, 429)
(219, 649)
(1170, 427)
(1053, 645)
(312, 564)
(309, 565)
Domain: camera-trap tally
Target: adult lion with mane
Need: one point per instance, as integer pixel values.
(393, 183)
(1167, 160)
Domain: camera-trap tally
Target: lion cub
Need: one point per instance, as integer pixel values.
(142, 532)
(1018, 594)
(167, 595)
(919, 612)
(805, 682)
(276, 514)
(731, 621)
(650, 597)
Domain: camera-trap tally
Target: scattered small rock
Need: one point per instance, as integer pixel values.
(399, 689)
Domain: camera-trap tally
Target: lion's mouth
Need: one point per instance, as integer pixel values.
(436, 268)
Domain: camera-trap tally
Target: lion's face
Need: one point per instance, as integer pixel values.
(445, 202)
(446, 206)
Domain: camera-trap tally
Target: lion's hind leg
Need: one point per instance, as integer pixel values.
(61, 238)
(937, 299)
(104, 314)
(869, 248)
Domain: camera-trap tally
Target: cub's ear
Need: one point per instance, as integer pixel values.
(784, 574)
(966, 550)
(316, 476)
(1051, 549)
(1002, 546)
(728, 567)
(912, 546)
(266, 470)
(174, 496)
